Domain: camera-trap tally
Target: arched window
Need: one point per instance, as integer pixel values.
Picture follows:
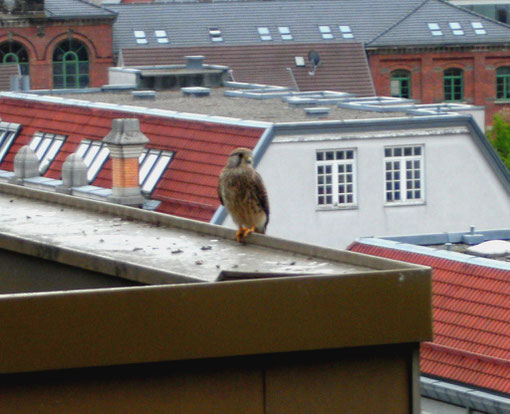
(14, 52)
(453, 85)
(503, 82)
(400, 83)
(70, 65)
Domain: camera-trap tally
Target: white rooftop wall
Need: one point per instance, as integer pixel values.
(461, 188)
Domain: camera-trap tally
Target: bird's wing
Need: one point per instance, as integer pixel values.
(218, 188)
(261, 193)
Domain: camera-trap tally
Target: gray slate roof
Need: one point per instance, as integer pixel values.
(380, 22)
(414, 30)
(74, 8)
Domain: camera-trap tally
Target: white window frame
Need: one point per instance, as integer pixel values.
(94, 154)
(404, 169)
(264, 33)
(478, 28)
(153, 163)
(326, 32)
(435, 30)
(336, 178)
(285, 33)
(8, 133)
(161, 36)
(215, 34)
(46, 147)
(140, 37)
(346, 31)
(456, 28)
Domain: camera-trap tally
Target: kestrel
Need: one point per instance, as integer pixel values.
(243, 193)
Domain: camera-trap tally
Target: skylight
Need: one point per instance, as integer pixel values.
(478, 28)
(161, 36)
(152, 165)
(46, 147)
(435, 30)
(264, 33)
(456, 28)
(8, 132)
(285, 32)
(215, 34)
(346, 32)
(94, 155)
(326, 32)
(140, 37)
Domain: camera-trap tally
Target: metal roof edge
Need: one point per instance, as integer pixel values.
(137, 110)
(372, 123)
(437, 253)
(490, 153)
(463, 395)
(258, 152)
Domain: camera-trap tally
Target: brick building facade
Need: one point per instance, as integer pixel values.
(58, 44)
(482, 75)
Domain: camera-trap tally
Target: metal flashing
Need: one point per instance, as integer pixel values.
(137, 109)
(439, 253)
(464, 396)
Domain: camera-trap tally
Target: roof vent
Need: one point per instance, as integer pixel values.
(318, 111)
(196, 91)
(148, 95)
(194, 62)
(74, 173)
(26, 165)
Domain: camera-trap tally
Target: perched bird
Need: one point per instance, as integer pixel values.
(242, 192)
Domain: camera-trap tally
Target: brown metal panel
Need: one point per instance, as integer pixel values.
(367, 381)
(209, 320)
(184, 389)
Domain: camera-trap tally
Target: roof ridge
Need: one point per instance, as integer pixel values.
(467, 354)
(399, 21)
(480, 16)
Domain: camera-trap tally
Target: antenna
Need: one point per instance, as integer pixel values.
(314, 59)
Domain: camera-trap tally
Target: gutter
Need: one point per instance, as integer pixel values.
(463, 396)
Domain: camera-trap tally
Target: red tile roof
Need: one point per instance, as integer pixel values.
(471, 319)
(188, 186)
(343, 66)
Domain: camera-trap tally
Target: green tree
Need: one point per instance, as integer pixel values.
(499, 135)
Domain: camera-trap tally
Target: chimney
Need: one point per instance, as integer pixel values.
(26, 165)
(126, 143)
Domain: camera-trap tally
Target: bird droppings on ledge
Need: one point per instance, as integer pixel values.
(196, 255)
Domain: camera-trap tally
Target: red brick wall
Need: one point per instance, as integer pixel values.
(40, 44)
(125, 172)
(427, 75)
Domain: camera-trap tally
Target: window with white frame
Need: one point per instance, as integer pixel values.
(326, 32)
(336, 178)
(8, 132)
(215, 34)
(161, 36)
(404, 174)
(456, 28)
(285, 32)
(94, 155)
(435, 30)
(346, 31)
(46, 147)
(140, 37)
(153, 163)
(264, 33)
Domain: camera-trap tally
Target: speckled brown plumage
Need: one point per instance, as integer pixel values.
(242, 192)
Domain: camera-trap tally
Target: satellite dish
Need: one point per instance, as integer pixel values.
(314, 59)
